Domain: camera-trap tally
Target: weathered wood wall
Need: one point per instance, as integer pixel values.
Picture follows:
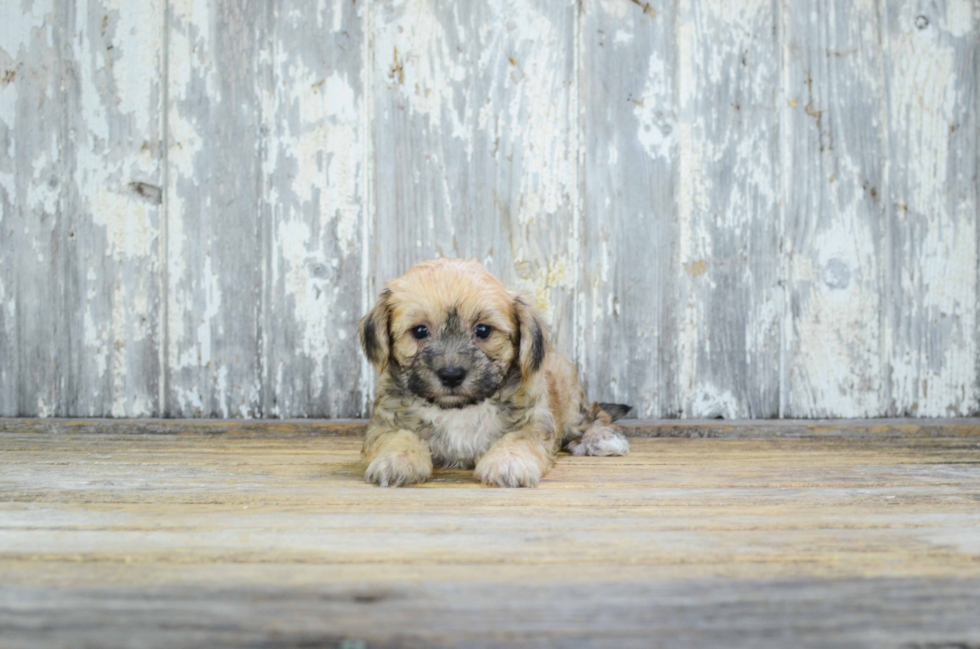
(736, 208)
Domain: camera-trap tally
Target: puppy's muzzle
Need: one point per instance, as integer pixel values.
(451, 377)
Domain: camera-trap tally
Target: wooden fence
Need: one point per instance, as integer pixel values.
(735, 208)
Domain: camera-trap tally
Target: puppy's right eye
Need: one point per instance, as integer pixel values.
(420, 332)
(483, 331)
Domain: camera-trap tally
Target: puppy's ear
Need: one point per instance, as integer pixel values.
(533, 344)
(374, 332)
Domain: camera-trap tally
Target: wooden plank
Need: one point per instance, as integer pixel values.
(218, 81)
(696, 428)
(627, 335)
(730, 304)
(211, 540)
(422, 613)
(114, 108)
(892, 612)
(34, 339)
(316, 194)
(273, 428)
(834, 154)
(736, 501)
(930, 70)
(474, 152)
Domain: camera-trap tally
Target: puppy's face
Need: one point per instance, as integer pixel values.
(450, 333)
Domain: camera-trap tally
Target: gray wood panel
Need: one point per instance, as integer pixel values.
(114, 109)
(627, 347)
(219, 85)
(316, 174)
(730, 299)
(34, 232)
(739, 209)
(930, 63)
(474, 143)
(834, 145)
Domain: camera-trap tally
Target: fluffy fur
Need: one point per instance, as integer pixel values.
(467, 379)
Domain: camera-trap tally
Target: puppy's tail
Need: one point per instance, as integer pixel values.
(604, 413)
(596, 434)
(614, 410)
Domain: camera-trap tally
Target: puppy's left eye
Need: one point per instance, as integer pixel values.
(483, 331)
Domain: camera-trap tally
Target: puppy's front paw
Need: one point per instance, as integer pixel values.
(398, 469)
(512, 465)
(600, 440)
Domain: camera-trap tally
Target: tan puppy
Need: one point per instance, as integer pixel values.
(467, 378)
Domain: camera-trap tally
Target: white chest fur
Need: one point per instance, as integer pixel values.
(460, 436)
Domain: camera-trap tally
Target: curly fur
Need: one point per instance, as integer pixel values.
(516, 404)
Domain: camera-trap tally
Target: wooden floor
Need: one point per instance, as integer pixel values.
(218, 534)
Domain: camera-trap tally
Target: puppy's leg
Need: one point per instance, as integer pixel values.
(396, 458)
(518, 459)
(600, 439)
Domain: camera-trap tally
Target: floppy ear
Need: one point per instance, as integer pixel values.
(374, 333)
(533, 344)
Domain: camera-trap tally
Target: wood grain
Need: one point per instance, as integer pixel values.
(930, 68)
(629, 260)
(181, 538)
(474, 145)
(835, 219)
(114, 109)
(34, 222)
(695, 428)
(743, 209)
(315, 168)
(218, 79)
(729, 305)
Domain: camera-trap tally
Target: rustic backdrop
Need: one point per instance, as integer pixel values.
(737, 208)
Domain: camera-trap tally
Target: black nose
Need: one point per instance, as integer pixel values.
(451, 376)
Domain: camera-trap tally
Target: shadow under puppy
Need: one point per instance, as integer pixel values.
(467, 378)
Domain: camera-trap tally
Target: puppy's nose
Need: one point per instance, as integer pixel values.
(451, 376)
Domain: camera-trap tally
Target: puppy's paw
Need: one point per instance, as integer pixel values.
(397, 469)
(510, 465)
(600, 440)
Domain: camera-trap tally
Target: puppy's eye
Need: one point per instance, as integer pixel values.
(420, 332)
(483, 331)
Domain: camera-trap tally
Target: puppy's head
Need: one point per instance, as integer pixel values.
(449, 332)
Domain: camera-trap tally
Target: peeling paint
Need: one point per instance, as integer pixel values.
(115, 136)
(726, 209)
(656, 129)
(932, 337)
(710, 402)
(315, 174)
(127, 224)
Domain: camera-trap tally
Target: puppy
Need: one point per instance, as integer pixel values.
(468, 379)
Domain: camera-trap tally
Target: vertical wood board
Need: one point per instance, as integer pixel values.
(315, 176)
(114, 107)
(729, 300)
(34, 339)
(833, 151)
(474, 143)
(930, 61)
(629, 256)
(219, 81)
